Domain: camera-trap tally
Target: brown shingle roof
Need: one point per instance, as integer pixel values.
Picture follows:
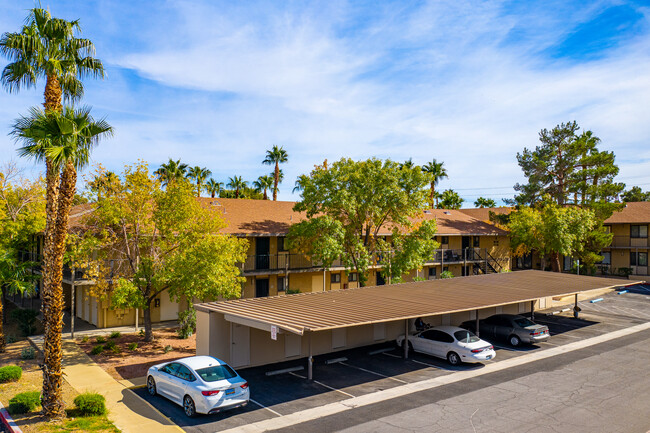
(633, 212)
(353, 307)
(483, 214)
(273, 218)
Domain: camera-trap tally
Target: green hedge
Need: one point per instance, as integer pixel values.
(10, 373)
(90, 404)
(24, 402)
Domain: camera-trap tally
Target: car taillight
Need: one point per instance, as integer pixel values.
(209, 393)
(244, 386)
(481, 350)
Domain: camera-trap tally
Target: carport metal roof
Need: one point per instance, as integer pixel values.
(319, 311)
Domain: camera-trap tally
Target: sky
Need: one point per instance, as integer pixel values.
(470, 83)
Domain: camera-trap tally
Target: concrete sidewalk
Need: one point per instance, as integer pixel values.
(129, 412)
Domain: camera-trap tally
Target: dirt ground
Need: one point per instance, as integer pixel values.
(129, 364)
(32, 380)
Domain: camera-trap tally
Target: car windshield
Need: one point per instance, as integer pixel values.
(466, 336)
(216, 372)
(523, 322)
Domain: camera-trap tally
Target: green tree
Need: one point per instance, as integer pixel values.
(485, 202)
(635, 194)
(436, 171)
(262, 184)
(237, 184)
(213, 187)
(172, 171)
(554, 230)
(350, 203)
(47, 48)
(199, 174)
(164, 241)
(450, 200)
(276, 156)
(103, 182)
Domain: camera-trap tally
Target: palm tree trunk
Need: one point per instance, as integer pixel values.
(52, 94)
(276, 180)
(212, 194)
(52, 401)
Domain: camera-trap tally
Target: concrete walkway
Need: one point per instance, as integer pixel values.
(129, 412)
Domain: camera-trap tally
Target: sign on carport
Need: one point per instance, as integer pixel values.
(274, 332)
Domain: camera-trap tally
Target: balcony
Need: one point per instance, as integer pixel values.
(629, 242)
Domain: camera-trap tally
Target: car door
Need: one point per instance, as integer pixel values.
(503, 328)
(422, 342)
(180, 383)
(164, 379)
(439, 343)
(488, 327)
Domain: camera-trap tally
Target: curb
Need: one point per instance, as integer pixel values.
(7, 421)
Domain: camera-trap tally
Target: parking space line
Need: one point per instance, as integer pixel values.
(264, 407)
(324, 385)
(373, 372)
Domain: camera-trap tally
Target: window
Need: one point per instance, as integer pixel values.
(432, 273)
(496, 242)
(352, 277)
(445, 269)
(608, 229)
(336, 278)
(170, 368)
(281, 246)
(444, 240)
(568, 263)
(607, 258)
(442, 337)
(281, 284)
(638, 259)
(217, 372)
(185, 373)
(466, 336)
(477, 241)
(523, 322)
(639, 231)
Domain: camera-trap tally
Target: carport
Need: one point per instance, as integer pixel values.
(259, 331)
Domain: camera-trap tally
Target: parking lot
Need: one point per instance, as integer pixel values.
(343, 375)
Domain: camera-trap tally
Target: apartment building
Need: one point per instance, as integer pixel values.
(629, 248)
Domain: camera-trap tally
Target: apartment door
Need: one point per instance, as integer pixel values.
(240, 352)
(261, 287)
(262, 251)
(466, 242)
(380, 279)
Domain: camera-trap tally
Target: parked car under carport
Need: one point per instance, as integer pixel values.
(512, 328)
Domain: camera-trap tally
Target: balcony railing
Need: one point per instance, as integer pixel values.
(629, 242)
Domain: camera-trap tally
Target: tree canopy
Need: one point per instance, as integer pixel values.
(485, 202)
(348, 205)
(635, 194)
(449, 199)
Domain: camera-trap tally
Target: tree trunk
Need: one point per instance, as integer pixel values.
(3, 342)
(555, 262)
(148, 331)
(432, 194)
(52, 94)
(53, 302)
(276, 180)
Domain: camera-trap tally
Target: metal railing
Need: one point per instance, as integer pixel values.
(629, 242)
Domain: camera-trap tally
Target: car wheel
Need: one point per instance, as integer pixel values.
(514, 340)
(188, 406)
(453, 358)
(151, 386)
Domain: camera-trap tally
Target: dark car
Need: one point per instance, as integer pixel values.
(510, 327)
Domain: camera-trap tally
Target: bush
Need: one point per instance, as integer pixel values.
(24, 402)
(28, 353)
(446, 274)
(26, 320)
(141, 333)
(110, 345)
(90, 404)
(100, 339)
(10, 373)
(116, 350)
(625, 272)
(168, 348)
(292, 291)
(116, 334)
(133, 346)
(187, 323)
(97, 349)
(11, 339)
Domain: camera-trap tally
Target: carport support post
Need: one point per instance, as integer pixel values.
(310, 363)
(532, 310)
(576, 309)
(406, 338)
(478, 331)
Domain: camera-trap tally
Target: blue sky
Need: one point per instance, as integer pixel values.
(216, 84)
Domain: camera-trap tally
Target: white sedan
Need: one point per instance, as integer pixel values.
(201, 384)
(451, 342)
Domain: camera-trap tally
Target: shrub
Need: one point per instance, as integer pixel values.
(10, 373)
(109, 345)
(187, 323)
(11, 339)
(168, 348)
(97, 349)
(625, 272)
(116, 334)
(100, 339)
(85, 339)
(116, 350)
(24, 402)
(133, 346)
(141, 333)
(90, 404)
(26, 320)
(292, 291)
(28, 353)
(446, 274)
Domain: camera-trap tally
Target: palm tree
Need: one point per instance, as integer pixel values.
(172, 171)
(407, 164)
(237, 183)
(213, 187)
(199, 175)
(104, 183)
(47, 48)
(485, 202)
(436, 171)
(262, 184)
(14, 278)
(276, 155)
(450, 200)
(65, 139)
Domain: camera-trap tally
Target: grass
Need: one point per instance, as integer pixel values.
(83, 424)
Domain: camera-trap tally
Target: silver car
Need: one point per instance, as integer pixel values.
(201, 384)
(510, 327)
